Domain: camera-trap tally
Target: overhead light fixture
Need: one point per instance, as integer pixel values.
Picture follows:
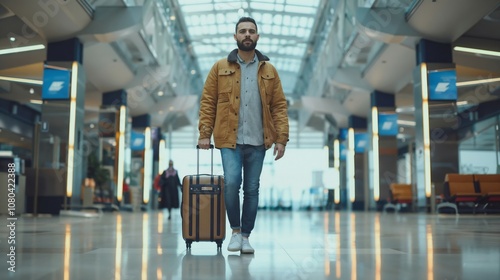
(476, 51)
(22, 49)
(477, 82)
(21, 80)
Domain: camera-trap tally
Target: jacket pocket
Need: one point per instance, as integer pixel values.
(268, 82)
(223, 97)
(222, 116)
(225, 82)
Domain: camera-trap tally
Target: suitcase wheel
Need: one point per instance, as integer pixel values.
(219, 244)
(188, 244)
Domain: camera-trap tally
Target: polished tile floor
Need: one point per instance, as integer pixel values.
(289, 245)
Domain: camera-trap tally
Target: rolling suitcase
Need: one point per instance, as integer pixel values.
(203, 209)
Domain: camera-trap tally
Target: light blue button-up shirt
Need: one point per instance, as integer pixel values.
(250, 130)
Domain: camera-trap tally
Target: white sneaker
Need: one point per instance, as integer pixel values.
(235, 242)
(246, 248)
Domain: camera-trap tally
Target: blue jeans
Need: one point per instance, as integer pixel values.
(250, 159)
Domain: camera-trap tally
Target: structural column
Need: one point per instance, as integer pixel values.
(383, 155)
(60, 169)
(114, 138)
(340, 154)
(435, 95)
(355, 163)
(143, 161)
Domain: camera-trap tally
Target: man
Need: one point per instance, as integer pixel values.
(244, 107)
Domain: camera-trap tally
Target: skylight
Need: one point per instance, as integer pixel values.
(284, 26)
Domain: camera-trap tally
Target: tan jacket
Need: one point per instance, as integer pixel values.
(220, 103)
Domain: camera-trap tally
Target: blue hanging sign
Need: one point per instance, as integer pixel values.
(360, 142)
(442, 85)
(343, 152)
(387, 124)
(343, 134)
(56, 84)
(137, 141)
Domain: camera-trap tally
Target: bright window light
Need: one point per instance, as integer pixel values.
(284, 25)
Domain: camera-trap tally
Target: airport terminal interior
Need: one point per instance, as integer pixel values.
(391, 171)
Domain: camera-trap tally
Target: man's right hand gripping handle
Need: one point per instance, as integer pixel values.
(204, 143)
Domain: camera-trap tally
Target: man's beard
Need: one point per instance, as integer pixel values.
(246, 48)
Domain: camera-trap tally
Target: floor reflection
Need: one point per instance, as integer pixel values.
(289, 245)
(239, 266)
(210, 266)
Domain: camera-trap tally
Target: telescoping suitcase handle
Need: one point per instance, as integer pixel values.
(198, 159)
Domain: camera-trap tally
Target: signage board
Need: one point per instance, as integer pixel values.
(387, 124)
(442, 85)
(56, 84)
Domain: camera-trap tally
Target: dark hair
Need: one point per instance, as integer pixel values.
(245, 19)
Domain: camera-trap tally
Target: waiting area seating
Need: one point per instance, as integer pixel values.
(471, 193)
(400, 195)
(489, 187)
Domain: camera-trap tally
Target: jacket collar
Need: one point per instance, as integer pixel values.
(232, 57)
